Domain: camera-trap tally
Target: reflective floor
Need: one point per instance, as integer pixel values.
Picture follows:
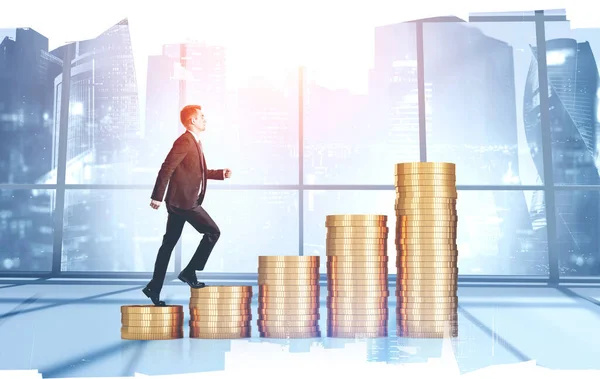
(73, 331)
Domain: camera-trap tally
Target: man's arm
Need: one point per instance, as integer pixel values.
(178, 152)
(215, 174)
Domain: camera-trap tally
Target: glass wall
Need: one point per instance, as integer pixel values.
(82, 141)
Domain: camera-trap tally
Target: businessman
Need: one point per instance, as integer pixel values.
(185, 172)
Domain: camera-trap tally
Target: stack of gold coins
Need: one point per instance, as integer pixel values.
(427, 253)
(149, 322)
(221, 312)
(357, 276)
(288, 298)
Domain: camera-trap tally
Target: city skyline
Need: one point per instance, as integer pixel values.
(349, 139)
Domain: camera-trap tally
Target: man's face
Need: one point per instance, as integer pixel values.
(199, 122)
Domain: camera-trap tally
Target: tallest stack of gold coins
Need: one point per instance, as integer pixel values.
(427, 254)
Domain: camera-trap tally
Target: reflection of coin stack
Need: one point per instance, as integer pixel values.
(357, 276)
(288, 298)
(148, 322)
(427, 252)
(219, 312)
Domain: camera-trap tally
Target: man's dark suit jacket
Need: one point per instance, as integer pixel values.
(184, 170)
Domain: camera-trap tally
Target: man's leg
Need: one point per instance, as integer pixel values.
(175, 223)
(204, 224)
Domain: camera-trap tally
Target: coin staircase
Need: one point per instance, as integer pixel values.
(357, 277)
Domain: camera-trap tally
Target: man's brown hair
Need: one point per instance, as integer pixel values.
(187, 112)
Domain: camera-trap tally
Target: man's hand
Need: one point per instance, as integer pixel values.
(226, 173)
(155, 204)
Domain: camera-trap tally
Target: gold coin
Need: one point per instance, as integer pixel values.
(286, 311)
(334, 306)
(336, 318)
(150, 336)
(425, 317)
(356, 223)
(424, 240)
(420, 212)
(358, 323)
(244, 318)
(216, 312)
(425, 165)
(286, 288)
(152, 323)
(298, 265)
(373, 243)
(402, 182)
(221, 302)
(158, 317)
(403, 277)
(356, 335)
(426, 328)
(129, 309)
(221, 290)
(367, 254)
(360, 299)
(315, 334)
(425, 258)
(288, 258)
(428, 217)
(420, 245)
(288, 323)
(420, 234)
(435, 288)
(231, 329)
(356, 235)
(360, 294)
(357, 229)
(426, 229)
(427, 299)
(357, 259)
(433, 194)
(410, 191)
(204, 325)
(413, 264)
(426, 270)
(152, 329)
(267, 295)
(353, 288)
(265, 277)
(425, 283)
(288, 270)
(363, 329)
(354, 265)
(426, 202)
(377, 275)
(290, 282)
(356, 311)
(232, 296)
(287, 317)
(426, 254)
(427, 224)
(299, 301)
(442, 306)
(356, 282)
(218, 336)
(423, 293)
(289, 329)
(199, 303)
(305, 308)
(356, 217)
(359, 273)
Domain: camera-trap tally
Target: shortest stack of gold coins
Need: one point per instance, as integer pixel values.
(427, 257)
(288, 298)
(149, 322)
(221, 312)
(357, 276)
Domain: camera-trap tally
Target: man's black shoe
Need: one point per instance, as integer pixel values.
(154, 297)
(191, 281)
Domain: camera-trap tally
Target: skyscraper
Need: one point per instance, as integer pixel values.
(104, 120)
(573, 85)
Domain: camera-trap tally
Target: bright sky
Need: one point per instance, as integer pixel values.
(333, 38)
